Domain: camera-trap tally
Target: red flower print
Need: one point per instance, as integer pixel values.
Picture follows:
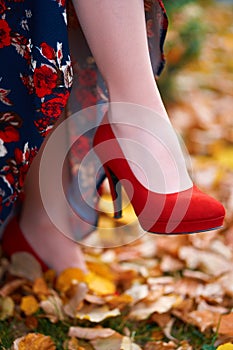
(9, 123)
(28, 82)
(87, 77)
(53, 108)
(47, 51)
(17, 168)
(5, 39)
(61, 2)
(2, 6)
(9, 134)
(45, 79)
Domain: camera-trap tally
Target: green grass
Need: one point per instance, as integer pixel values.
(141, 332)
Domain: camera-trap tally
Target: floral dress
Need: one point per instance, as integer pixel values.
(46, 68)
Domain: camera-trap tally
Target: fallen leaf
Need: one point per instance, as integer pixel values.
(143, 310)
(69, 277)
(169, 264)
(11, 286)
(138, 292)
(71, 307)
(34, 341)
(127, 344)
(160, 345)
(100, 285)
(90, 333)
(29, 305)
(96, 314)
(25, 265)
(204, 319)
(227, 346)
(6, 308)
(119, 301)
(95, 299)
(53, 308)
(40, 287)
(225, 326)
(72, 344)
(113, 343)
(211, 263)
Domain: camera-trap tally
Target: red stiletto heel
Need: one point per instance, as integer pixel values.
(13, 241)
(187, 211)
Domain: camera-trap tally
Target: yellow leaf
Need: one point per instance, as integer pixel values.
(100, 269)
(34, 341)
(29, 305)
(100, 285)
(69, 277)
(6, 308)
(227, 346)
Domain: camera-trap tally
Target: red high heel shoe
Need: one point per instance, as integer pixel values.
(13, 241)
(188, 211)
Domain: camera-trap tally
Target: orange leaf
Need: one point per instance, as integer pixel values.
(69, 277)
(40, 287)
(226, 324)
(34, 341)
(100, 285)
(29, 305)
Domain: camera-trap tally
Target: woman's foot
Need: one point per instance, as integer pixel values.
(56, 250)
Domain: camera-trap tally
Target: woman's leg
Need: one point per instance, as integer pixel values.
(116, 33)
(52, 246)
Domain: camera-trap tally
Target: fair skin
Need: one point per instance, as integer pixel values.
(124, 62)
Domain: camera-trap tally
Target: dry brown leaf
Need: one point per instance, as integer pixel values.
(31, 322)
(29, 305)
(143, 310)
(53, 308)
(25, 265)
(160, 345)
(171, 245)
(138, 292)
(95, 299)
(34, 341)
(203, 305)
(6, 308)
(184, 345)
(204, 319)
(189, 287)
(209, 262)
(72, 344)
(127, 344)
(90, 333)
(113, 343)
(169, 264)
(69, 277)
(226, 281)
(40, 287)
(119, 301)
(73, 304)
(225, 327)
(96, 314)
(161, 319)
(11, 286)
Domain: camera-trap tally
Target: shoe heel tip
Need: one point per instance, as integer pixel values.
(118, 215)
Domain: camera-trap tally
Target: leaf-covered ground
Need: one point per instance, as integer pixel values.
(156, 292)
